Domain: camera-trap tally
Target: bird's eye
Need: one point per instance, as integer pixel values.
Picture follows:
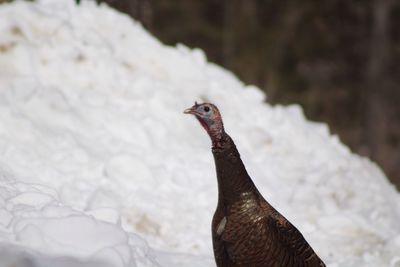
(206, 109)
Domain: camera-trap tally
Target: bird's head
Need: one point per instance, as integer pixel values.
(209, 117)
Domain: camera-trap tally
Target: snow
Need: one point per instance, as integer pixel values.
(54, 233)
(99, 167)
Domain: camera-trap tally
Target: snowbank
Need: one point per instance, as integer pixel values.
(96, 155)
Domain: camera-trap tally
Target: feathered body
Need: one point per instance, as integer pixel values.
(247, 231)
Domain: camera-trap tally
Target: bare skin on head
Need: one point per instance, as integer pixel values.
(209, 117)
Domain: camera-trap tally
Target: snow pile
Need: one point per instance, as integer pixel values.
(32, 217)
(95, 151)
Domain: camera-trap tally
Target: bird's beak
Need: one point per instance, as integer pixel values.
(191, 110)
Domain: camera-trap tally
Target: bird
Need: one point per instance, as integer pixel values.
(246, 229)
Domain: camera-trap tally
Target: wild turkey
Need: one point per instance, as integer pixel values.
(246, 229)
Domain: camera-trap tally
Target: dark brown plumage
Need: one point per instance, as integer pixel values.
(246, 229)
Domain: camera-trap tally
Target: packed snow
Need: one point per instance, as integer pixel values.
(100, 167)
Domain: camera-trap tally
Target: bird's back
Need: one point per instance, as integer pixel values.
(252, 233)
(247, 230)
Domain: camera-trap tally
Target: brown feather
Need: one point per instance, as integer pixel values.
(254, 233)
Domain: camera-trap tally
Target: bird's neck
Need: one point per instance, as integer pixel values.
(233, 179)
(215, 129)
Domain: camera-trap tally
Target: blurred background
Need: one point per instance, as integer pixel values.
(338, 59)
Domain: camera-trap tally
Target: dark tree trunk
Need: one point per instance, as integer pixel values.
(228, 32)
(376, 119)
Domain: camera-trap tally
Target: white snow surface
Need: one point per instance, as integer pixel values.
(100, 167)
